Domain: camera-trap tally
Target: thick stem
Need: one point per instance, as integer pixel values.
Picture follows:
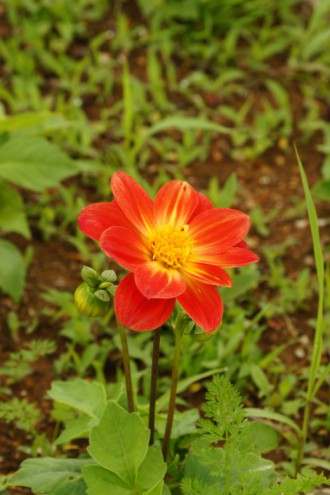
(153, 387)
(171, 406)
(127, 367)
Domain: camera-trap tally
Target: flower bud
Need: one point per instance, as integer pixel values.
(105, 285)
(102, 295)
(89, 276)
(89, 303)
(109, 276)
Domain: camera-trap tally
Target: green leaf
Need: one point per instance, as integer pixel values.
(12, 270)
(119, 442)
(152, 471)
(319, 263)
(166, 490)
(51, 476)
(157, 490)
(34, 163)
(222, 473)
(183, 123)
(32, 121)
(273, 416)
(184, 384)
(260, 437)
(317, 462)
(149, 479)
(101, 481)
(87, 397)
(322, 189)
(260, 379)
(77, 428)
(12, 214)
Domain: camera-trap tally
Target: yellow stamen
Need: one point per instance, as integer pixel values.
(171, 246)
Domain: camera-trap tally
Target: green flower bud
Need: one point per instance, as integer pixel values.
(89, 303)
(109, 276)
(112, 290)
(102, 295)
(105, 285)
(89, 276)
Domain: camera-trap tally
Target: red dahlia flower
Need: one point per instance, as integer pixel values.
(176, 248)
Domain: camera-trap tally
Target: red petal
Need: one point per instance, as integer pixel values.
(175, 203)
(97, 217)
(242, 244)
(236, 257)
(217, 230)
(125, 247)
(134, 201)
(136, 312)
(156, 281)
(208, 274)
(203, 304)
(203, 205)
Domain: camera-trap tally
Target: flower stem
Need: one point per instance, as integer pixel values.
(171, 406)
(153, 387)
(127, 367)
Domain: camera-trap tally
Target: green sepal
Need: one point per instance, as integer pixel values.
(109, 276)
(89, 276)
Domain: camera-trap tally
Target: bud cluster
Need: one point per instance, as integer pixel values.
(93, 296)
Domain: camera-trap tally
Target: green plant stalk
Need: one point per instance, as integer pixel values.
(127, 367)
(318, 338)
(227, 464)
(175, 375)
(153, 387)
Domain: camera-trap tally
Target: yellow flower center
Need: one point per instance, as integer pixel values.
(171, 246)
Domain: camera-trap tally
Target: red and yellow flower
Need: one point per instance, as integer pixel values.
(176, 248)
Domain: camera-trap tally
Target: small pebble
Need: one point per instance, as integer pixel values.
(299, 353)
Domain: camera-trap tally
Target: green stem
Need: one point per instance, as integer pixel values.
(227, 464)
(175, 375)
(127, 367)
(153, 387)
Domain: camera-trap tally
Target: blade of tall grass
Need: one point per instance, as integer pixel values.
(318, 337)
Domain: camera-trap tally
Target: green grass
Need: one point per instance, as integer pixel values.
(153, 93)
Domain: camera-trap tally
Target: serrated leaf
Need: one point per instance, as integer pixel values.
(12, 269)
(34, 163)
(87, 397)
(51, 476)
(119, 442)
(12, 214)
